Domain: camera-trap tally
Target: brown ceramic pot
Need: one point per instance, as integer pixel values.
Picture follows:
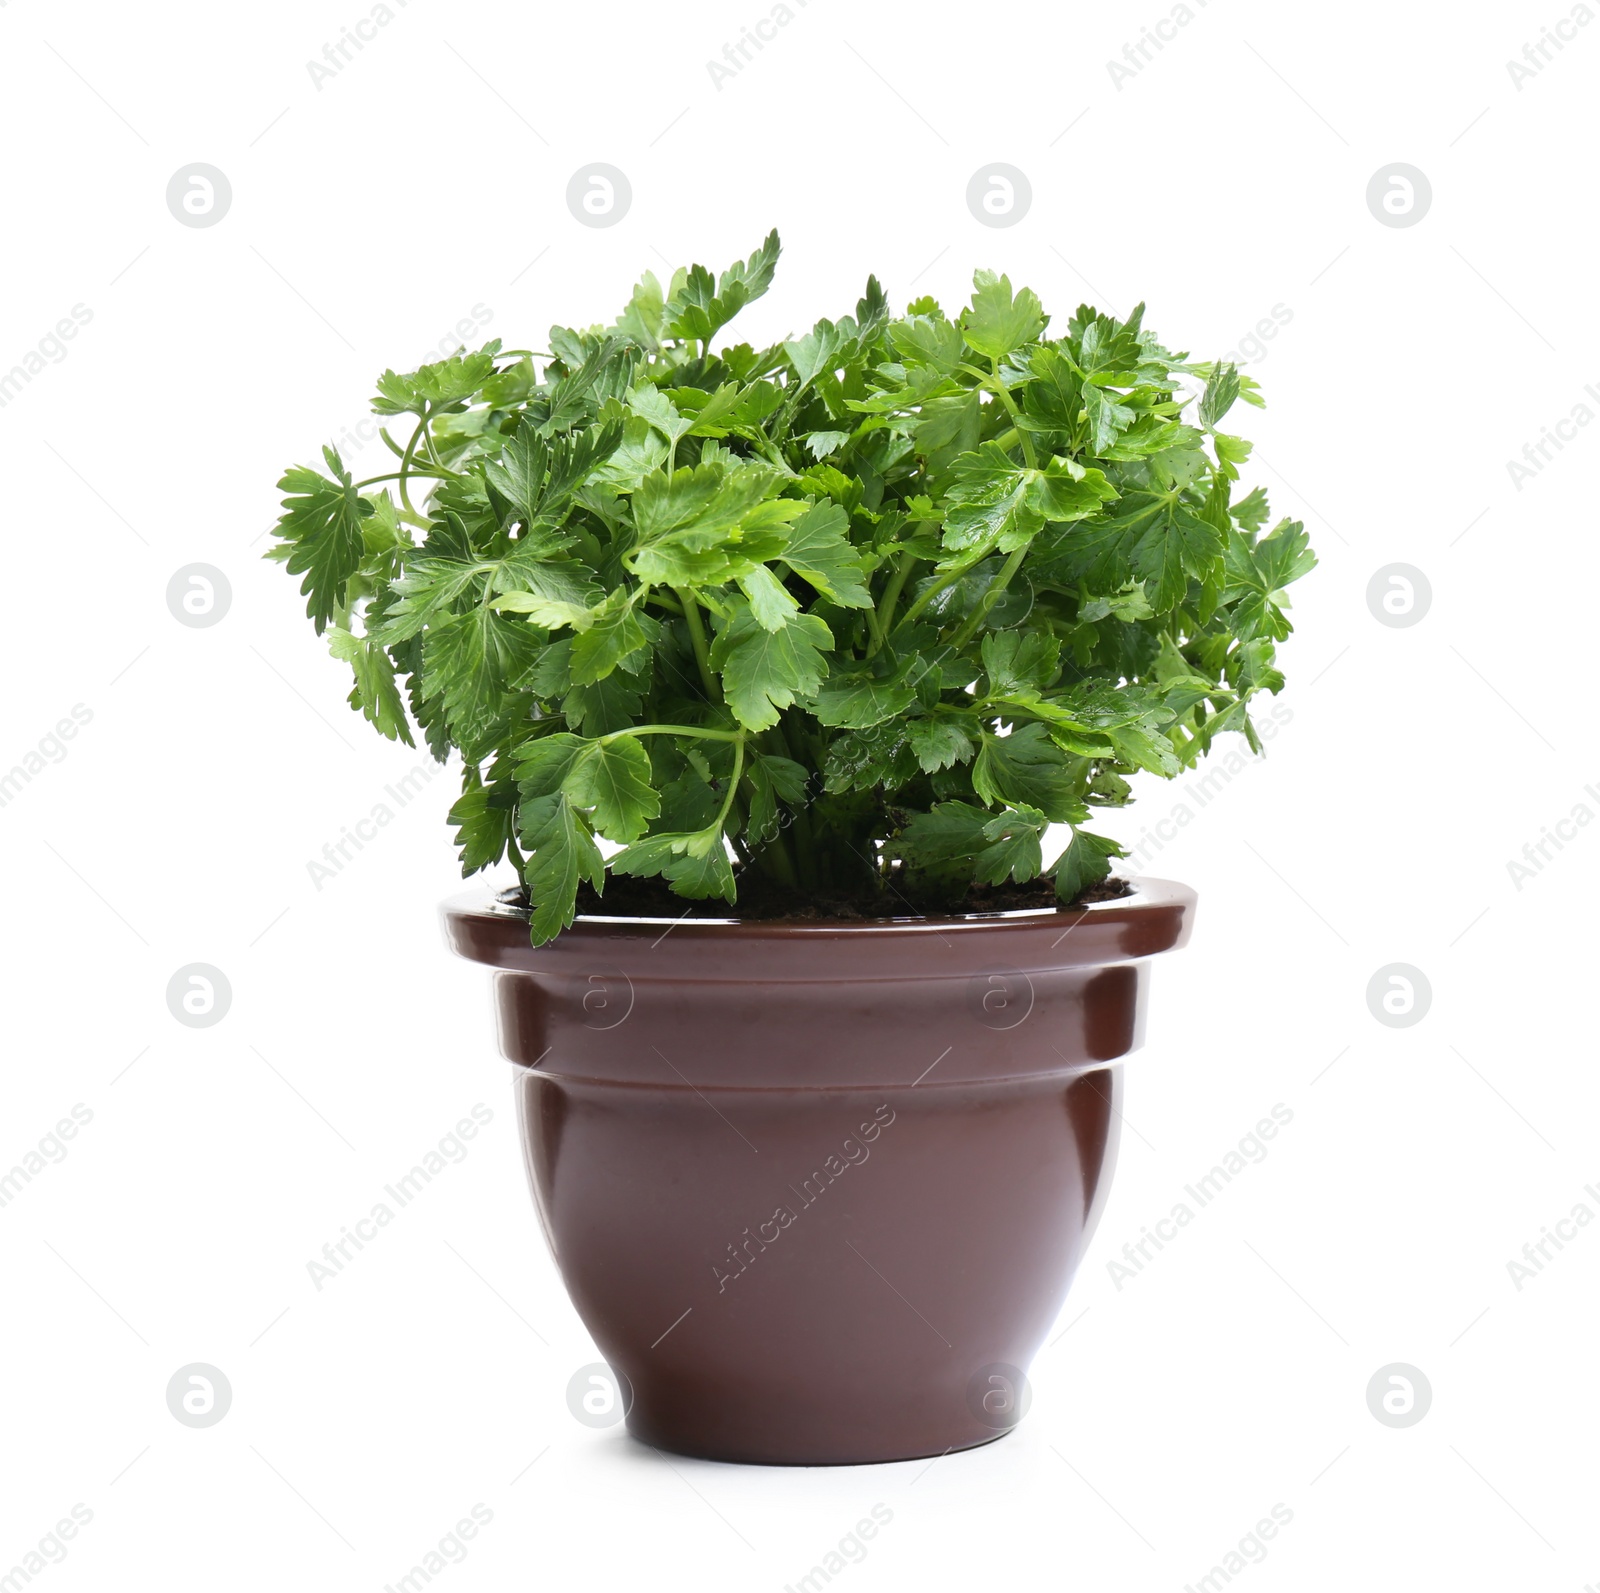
(818, 1189)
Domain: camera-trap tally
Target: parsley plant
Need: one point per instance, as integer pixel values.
(863, 612)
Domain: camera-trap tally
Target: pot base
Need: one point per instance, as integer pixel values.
(690, 1451)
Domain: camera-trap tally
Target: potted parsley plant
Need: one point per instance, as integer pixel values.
(787, 681)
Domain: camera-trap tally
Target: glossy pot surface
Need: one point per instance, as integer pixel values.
(818, 1190)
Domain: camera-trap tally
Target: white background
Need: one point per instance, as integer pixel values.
(1224, 178)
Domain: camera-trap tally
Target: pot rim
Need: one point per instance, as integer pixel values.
(1156, 916)
(1143, 895)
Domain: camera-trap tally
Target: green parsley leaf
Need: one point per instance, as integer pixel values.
(701, 308)
(997, 322)
(1086, 861)
(376, 694)
(766, 671)
(1028, 769)
(818, 549)
(322, 518)
(560, 852)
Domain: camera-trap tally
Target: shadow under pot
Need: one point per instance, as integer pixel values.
(818, 1190)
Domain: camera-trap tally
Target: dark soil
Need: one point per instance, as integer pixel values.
(765, 899)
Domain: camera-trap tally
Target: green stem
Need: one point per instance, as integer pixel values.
(805, 856)
(890, 600)
(998, 388)
(697, 731)
(770, 850)
(372, 481)
(405, 459)
(940, 586)
(733, 780)
(429, 449)
(776, 856)
(989, 598)
(735, 826)
(803, 849)
(697, 639)
(771, 451)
